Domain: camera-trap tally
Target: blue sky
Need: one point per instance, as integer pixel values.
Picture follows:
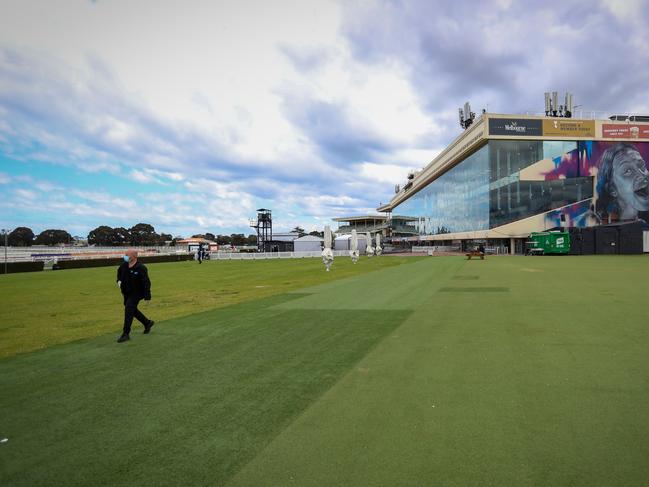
(190, 115)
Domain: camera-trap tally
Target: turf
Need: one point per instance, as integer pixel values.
(414, 374)
(47, 308)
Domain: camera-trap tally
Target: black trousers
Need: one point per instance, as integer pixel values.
(131, 311)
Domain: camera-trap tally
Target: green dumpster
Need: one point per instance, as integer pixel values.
(544, 243)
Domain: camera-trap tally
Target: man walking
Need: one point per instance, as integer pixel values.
(133, 280)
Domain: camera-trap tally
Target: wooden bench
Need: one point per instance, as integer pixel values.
(475, 253)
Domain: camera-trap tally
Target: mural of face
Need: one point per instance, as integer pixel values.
(630, 183)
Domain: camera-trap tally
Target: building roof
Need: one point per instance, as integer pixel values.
(195, 241)
(284, 236)
(309, 238)
(360, 218)
(347, 236)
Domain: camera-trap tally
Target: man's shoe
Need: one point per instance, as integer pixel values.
(148, 326)
(123, 338)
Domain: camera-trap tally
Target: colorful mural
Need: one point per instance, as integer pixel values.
(620, 179)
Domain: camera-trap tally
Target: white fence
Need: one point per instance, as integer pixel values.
(273, 255)
(435, 248)
(34, 253)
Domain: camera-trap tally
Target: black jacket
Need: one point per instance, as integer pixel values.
(134, 280)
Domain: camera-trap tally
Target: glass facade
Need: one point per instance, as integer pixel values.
(512, 198)
(487, 189)
(457, 201)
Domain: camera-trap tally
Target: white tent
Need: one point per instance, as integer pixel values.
(308, 243)
(344, 242)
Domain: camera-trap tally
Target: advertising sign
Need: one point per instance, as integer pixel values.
(625, 131)
(569, 128)
(515, 126)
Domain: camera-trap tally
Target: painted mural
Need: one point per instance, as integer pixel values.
(620, 179)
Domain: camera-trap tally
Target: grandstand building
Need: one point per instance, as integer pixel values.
(394, 225)
(506, 176)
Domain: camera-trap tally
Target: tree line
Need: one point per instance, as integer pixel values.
(142, 234)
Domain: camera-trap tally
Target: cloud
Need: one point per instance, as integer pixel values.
(507, 54)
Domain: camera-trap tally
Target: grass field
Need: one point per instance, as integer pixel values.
(429, 371)
(49, 308)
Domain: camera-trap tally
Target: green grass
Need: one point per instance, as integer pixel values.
(48, 308)
(439, 371)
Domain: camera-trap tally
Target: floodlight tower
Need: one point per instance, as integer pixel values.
(264, 226)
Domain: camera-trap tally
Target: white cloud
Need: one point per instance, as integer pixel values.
(25, 194)
(385, 173)
(625, 10)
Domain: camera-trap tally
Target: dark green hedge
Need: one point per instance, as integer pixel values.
(152, 259)
(81, 264)
(165, 258)
(13, 267)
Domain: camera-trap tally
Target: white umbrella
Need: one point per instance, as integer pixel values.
(327, 254)
(369, 249)
(353, 252)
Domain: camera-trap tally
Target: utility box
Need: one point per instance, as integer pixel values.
(545, 243)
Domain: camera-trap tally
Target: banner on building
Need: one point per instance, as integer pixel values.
(521, 127)
(569, 128)
(625, 131)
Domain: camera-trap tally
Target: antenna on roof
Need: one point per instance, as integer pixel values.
(466, 116)
(552, 107)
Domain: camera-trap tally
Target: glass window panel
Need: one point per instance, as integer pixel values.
(457, 201)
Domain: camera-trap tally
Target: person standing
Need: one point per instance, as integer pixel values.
(199, 254)
(133, 281)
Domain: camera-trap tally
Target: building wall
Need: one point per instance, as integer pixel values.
(509, 183)
(307, 245)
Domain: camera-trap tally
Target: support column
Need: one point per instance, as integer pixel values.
(512, 246)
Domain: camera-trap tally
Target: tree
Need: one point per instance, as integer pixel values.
(143, 234)
(53, 237)
(207, 236)
(223, 240)
(20, 237)
(316, 233)
(299, 230)
(165, 237)
(102, 235)
(238, 239)
(120, 236)
(252, 239)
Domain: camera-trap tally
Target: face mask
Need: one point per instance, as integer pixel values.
(126, 258)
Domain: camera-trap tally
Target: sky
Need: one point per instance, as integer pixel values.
(189, 115)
